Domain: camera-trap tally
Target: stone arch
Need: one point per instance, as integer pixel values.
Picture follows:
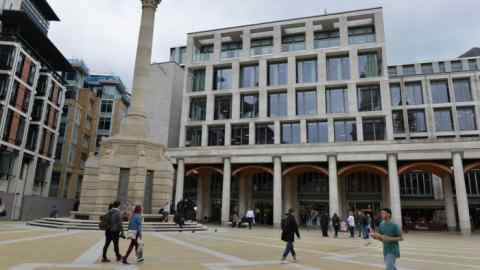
(435, 168)
(197, 170)
(347, 170)
(298, 169)
(472, 166)
(252, 169)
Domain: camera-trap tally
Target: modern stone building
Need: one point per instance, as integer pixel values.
(306, 113)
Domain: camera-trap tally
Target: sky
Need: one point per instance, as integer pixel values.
(104, 32)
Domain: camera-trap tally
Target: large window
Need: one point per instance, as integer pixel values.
(106, 106)
(307, 71)
(198, 108)
(472, 183)
(240, 134)
(277, 73)
(293, 43)
(337, 100)
(231, 49)
(456, 66)
(369, 65)
(306, 102)
(466, 118)
(222, 79)
(326, 39)
(6, 57)
(427, 68)
(203, 53)
(265, 133)
(398, 124)
(291, 133)
(249, 106)
(20, 63)
(369, 98)
(443, 120)
(338, 68)
(216, 135)
(472, 64)
(261, 46)
(441, 67)
(223, 107)
(361, 34)
(317, 132)
(373, 129)
(395, 94)
(440, 91)
(4, 81)
(363, 182)
(414, 93)
(277, 104)
(104, 123)
(416, 121)
(409, 70)
(249, 76)
(198, 80)
(32, 72)
(416, 184)
(345, 130)
(194, 136)
(463, 90)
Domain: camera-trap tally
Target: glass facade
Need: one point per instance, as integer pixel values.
(306, 102)
(361, 34)
(427, 68)
(462, 88)
(440, 92)
(293, 43)
(409, 70)
(223, 107)
(317, 132)
(249, 76)
(414, 93)
(443, 120)
(338, 68)
(216, 136)
(416, 121)
(369, 65)
(291, 133)
(222, 78)
(277, 104)
(327, 39)
(240, 134)
(369, 98)
(203, 53)
(198, 80)
(472, 183)
(373, 129)
(456, 66)
(345, 130)
(398, 124)
(231, 49)
(261, 46)
(337, 100)
(198, 109)
(307, 71)
(265, 133)
(466, 118)
(277, 73)
(395, 95)
(194, 136)
(249, 106)
(416, 184)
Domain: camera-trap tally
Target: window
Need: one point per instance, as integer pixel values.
(277, 73)
(317, 132)
(462, 88)
(361, 34)
(198, 108)
(107, 106)
(240, 134)
(32, 72)
(345, 130)
(4, 81)
(414, 93)
(427, 68)
(338, 68)
(395, 94)
(277, 104)
(369, 98)
(369, 65)
(216, 136)
(20, 63)
(292, 43)
(194, 136)
(249, 106)
(264, 133)
(441, 67)
(231, 49)
(416, 184)
(416, 121)
(472, 183)
(373, 129)
(6, 57)
(223, 107)
(203, 53)
(249, 76)
(409, 70)
(398, 124)
(392, 71)
(307, 71)
(440, 92)
(456, 65)
(291, 133)
(198, 80)
(306, 102)
(104, 123)
(61, 130)
(261, 46)
(71, 76)
(472, 64)
(222, 79)
(337, 100)
(326, 39)
(466, 118)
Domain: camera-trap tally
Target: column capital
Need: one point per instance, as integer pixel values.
(394, 154)
(226, 158)
(457, 152)
(275, 157)
(150, 3)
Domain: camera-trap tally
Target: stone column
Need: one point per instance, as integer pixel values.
(449, 204)
(200, 197)
(394, 187)
(462, 199)
(242, 197)
(226, 191)
(180, 180)
(277, 191)
(333, 195)
(206, 198)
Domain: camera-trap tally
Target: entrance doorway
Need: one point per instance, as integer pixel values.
(262, 195)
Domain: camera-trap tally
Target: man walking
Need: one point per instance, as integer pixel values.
(289, 230)
(113, 231)
(336, 224)
(351, 224)
(389, 234)
(324, 221)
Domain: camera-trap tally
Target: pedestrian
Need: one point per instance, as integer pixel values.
(336, 224)
(289, 230)
(113, 231)
(250, 218)
(235, 220)
(324, 221)
(351, 224)
(54, 212)
(3, 211)
(134, 233)
(367, 224)
(358, 223)
(390, 235)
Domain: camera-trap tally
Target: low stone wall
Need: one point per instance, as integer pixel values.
(35, 207)
(7, 200)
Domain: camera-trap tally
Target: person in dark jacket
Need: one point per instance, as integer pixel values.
(336, 224)
(324, 221)
(289, 230)
(113, 232)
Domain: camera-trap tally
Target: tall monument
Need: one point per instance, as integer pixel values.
(130, 166)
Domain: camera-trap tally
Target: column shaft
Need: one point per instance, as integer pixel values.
(277, 191)
(462, 199)
(394, 188)
(449, 204)
(226, 191)
(333, 195)
(180, 180)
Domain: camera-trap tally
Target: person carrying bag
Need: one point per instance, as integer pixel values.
(135, 235)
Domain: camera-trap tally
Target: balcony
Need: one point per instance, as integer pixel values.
(231, 54)
(231, 50)
(293, 43)
(266, 50)
(361, 35)
(203, 53)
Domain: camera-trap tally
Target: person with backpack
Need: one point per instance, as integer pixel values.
(134, 233)
(336, 224)
(289, 230)
(112, 223)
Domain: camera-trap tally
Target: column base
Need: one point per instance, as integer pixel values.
(277, 225)
(467, 232)
(452, 229)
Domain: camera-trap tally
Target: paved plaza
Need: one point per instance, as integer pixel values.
(27, 248)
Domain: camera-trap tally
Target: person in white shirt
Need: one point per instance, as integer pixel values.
(351, 224)
(250, 218)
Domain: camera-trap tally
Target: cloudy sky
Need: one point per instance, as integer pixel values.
(104, 32)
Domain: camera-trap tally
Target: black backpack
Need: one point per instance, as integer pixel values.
(106, 221)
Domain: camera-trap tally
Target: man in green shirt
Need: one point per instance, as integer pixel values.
(389, 234)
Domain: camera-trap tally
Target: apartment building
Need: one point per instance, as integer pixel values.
(31, 98)
(306, 114)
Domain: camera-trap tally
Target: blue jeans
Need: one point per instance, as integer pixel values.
(289, 249)
(390, 262)
(366, 231)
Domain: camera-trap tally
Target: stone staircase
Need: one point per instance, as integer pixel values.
(77, 224)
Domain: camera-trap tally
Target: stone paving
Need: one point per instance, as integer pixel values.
(28, 248)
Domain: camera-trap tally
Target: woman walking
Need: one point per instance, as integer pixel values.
(289, 230)
(134, 233)
(336, 224)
